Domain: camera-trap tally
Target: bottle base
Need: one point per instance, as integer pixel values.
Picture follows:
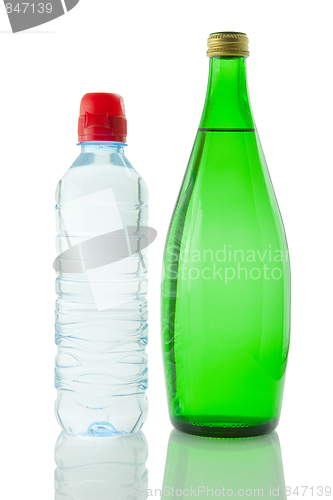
(110, 416)
(225, 430)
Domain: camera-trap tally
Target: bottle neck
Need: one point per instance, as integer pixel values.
(102, 147)
(227, 104)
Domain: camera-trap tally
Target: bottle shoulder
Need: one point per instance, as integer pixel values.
(227, 192)
(92, 173)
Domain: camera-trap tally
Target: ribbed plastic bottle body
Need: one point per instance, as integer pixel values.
(101, 307)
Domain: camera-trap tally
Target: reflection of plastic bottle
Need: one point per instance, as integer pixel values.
(108, 468)
(226, 286)
(101, 310)
(249, 467)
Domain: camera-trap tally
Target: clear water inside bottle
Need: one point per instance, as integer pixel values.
(101, 308)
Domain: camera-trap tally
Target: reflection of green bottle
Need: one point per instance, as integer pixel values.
(226, 282)
(224, 468)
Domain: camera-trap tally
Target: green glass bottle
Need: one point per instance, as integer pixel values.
(226, 278)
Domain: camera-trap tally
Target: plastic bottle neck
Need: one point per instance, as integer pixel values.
(227, 104)
(102, 147)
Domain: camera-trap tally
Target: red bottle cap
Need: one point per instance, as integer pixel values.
(102, 118)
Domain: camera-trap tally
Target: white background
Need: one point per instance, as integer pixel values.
(153, 53)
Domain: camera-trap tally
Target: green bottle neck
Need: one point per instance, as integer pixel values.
(227, 104)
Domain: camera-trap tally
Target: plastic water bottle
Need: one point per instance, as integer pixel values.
(101, 468)
(101, 307)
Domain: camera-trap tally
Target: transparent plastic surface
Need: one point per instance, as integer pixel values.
(101, 312)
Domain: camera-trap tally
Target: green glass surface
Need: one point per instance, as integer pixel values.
(226, 279)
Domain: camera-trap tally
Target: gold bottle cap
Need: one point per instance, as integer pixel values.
(228, 43)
